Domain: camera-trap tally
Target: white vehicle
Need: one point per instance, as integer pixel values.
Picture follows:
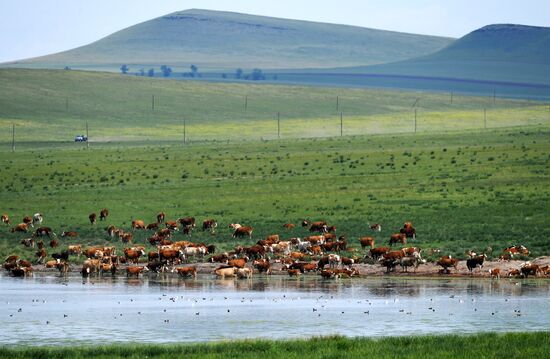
(80, 138)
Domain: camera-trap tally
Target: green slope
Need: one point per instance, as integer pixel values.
(225, 40)
(502, 52)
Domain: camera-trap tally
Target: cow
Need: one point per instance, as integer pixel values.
(135, 270)
(393, 255)
(93, 218)
(154, 226)
(315, 239)
(54, 243)
(242, 232)
(297, 256)
(186, 271)
(234, 225)
(61, 256)
(293, 272)
(172, 225)
(187, 230)
(366, 242)
(529, 269)
(40, 256)
(331, 229)
(109, 267)
(508, 253)
(28, 242)
(225, 271)
(238, 263)
(103, 214)
(263, 266)
(171, 255)
(408, 230)
(473, 262)
(21, 228)
(90, 266)
(376, 253)
(51, 264)
(289, 226)
(63, 268)
(5, 219)
(75, 249)
(194, 251)
(43, 231)
(346, 272)
(187, 221)
(164, 232)
(28, 221)
(220, 258)
(156, 265)
(138, 224)
(71, 234)
(37, 219)
(347, 261)
(127, 237)
(446, 262)
(209, 224)
(160, 217)
(409, 251)
(133, 255)
(40, 244)
(320, 226)
(21, 271)
(111, 230)
(410, 261)
(398, 238)
(334, 260)
(377, 227)
(494, 273)
(93, 252)
(328, 274)
(244, 273)
(514, 273)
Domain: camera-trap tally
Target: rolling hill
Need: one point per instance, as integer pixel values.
(225, 41)
(499, 53)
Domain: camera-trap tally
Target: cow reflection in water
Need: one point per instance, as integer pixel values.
(406, 289)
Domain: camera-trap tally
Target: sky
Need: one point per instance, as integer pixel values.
(30, 28)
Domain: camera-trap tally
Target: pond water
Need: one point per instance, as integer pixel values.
(48, 310)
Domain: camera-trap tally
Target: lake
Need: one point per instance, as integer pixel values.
(48, 310)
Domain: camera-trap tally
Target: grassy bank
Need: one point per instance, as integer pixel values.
(509, 345)
(477, 190)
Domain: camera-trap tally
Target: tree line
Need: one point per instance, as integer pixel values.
(166, 71)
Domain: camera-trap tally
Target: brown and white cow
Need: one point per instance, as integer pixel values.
(319, 226)
(160, 217)
(263, 265)
(447, 262)
(209, 224)
(367, 242)
(138, 224)
(93, 218)
(71, 234)
(21, 228)
(398, 238)
(103, 214)
(187, 221)
(376, 227)
(135, 270)
(243, 232)
(5, 219)
(44, 231)
(186, 271)
(475, 261)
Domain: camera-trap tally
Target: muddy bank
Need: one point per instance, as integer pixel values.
(424, 270)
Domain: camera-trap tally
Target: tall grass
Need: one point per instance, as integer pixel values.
(486, 345)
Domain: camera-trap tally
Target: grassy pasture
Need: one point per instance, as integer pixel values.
(487, 345)
(462, 190)
(54, 105)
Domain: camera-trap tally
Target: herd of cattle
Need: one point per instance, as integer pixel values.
(323, 248)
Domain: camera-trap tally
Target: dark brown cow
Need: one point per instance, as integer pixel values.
(138, 224)
(398, 238)
(186, 271)
(529, 269)
(293, 272)
(220, 258)
(69, 234)
(54, 243)
(93, 218)
(187, 221)
(164, 232)
(127, 237)
(242, 232)
(209, 224)
(63, 256)
(331, 229)
(154, 226)
(5, 219)
(28, 242)
(472, 263)
(103, 214)
(408, 230)
(367, 242)
(44, 231)
(328, 274)
(111, 231)
(320, 226)
(40, 244)
(160, 217)
(28, 221)
(40, 256)
(21, 227)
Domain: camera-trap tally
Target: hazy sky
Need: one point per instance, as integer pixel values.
(31, 28)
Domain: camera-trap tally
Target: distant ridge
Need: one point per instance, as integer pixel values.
(227, 40)
(500, 52)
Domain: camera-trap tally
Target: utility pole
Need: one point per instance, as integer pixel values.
(184, 133)
(87, 137)
(415, 120)
(278, 125)
(341, 124)
(153, 102)
(13, 137)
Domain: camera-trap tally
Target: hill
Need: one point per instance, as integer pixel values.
(226, 40)
(499, 53)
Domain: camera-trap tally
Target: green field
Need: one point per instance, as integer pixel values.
(48, 105)
(462, 190)
(490, 345)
